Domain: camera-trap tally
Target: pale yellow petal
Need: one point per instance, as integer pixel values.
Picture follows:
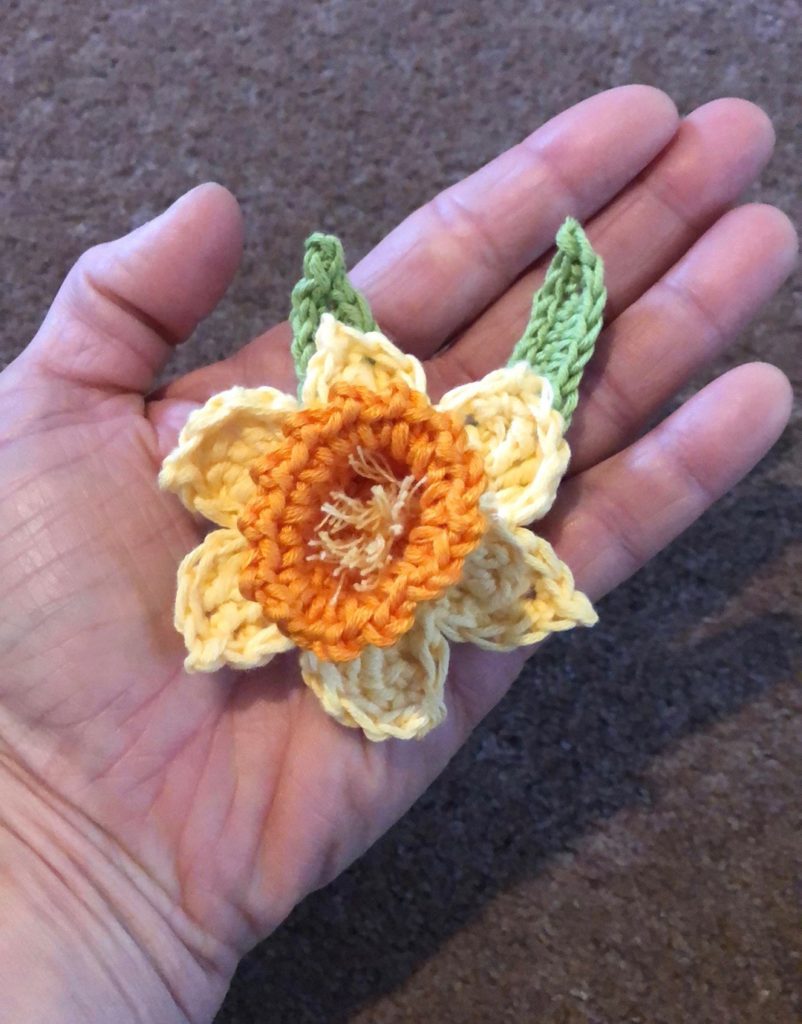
(389, 691)
(220, 627)
(209, 469)
(514, 591)
(346, 355)
(508, 416)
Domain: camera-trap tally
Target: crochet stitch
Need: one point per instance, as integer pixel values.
(306, 593)
(323, 288)
(566, 317)
(367, 527)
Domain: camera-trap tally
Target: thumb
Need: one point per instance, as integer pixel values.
(126, 303)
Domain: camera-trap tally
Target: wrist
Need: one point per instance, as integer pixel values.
(87, 934)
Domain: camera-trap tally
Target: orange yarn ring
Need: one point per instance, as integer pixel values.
(298, 591)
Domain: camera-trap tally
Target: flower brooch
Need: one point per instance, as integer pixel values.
(369, 527)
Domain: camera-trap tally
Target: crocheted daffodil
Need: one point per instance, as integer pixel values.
(368, 527)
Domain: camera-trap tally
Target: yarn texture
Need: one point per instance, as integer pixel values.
(324, 288)
(566, 317)
(369, 528)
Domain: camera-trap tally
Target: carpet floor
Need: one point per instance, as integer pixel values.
(620, 840)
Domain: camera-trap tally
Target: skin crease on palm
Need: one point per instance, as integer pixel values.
(155, 824)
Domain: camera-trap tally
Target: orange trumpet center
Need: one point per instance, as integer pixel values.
(368, 506)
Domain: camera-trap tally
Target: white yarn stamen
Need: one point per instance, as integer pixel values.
(357, 534)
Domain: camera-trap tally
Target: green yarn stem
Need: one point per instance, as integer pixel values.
(566, 317)
(324, 288)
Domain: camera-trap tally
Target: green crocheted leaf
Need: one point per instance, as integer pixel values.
(324, 288)
(566, 317)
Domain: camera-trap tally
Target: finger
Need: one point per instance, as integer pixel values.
(612, 519)
(447, 260)
(681, 324)
(126, 303)
(717, 153)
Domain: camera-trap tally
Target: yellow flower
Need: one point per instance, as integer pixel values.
(369, 528)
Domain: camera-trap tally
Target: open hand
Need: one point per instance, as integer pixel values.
(171, 821)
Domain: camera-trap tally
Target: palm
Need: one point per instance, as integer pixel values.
(237, 794)
(188, 773)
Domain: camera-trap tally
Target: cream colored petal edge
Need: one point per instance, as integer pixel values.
(220, 627)
(508, 416)
(387, 692)
(346, 355)
(209, 469)
(514, 591)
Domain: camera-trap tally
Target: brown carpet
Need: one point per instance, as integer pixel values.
(620, 842)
